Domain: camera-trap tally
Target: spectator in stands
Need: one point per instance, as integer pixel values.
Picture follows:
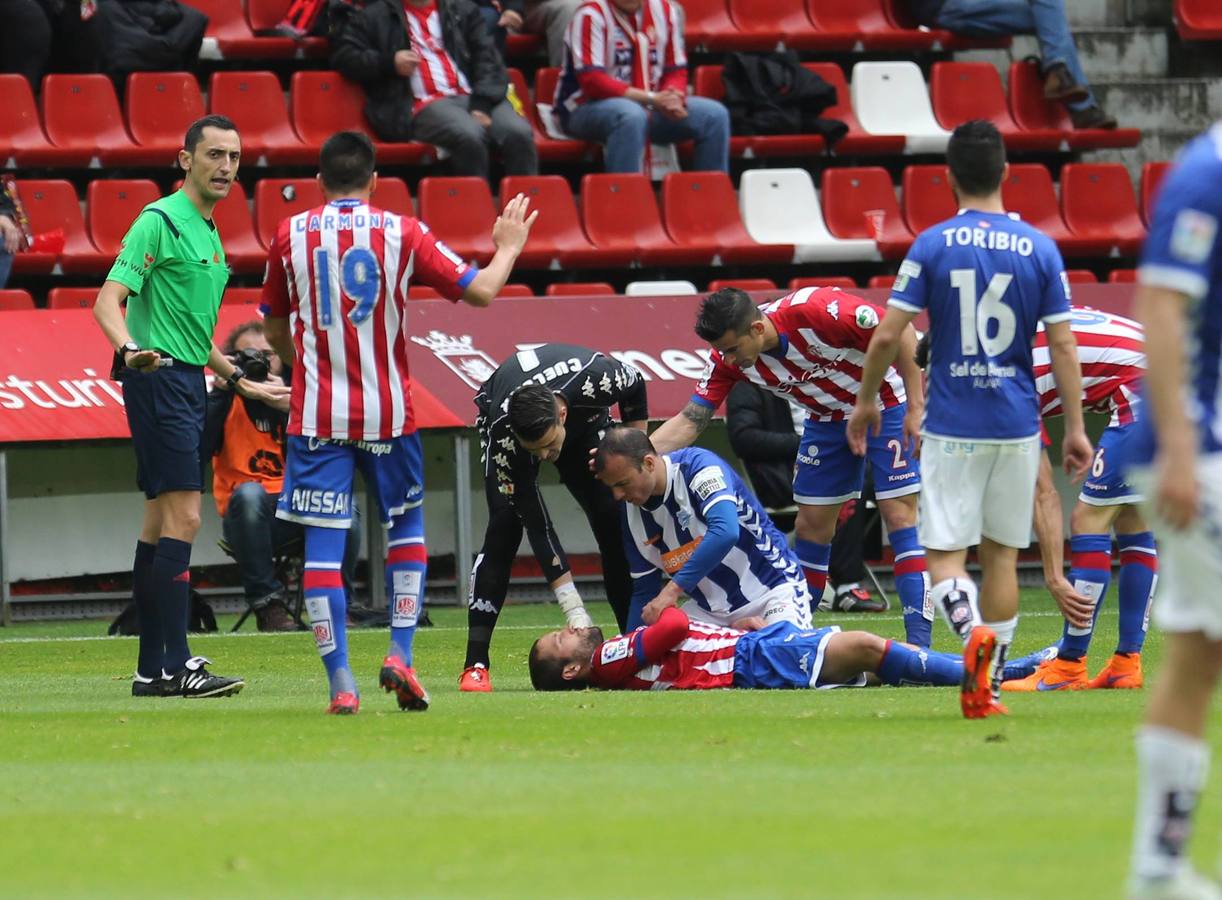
(1064, 79)
(624, 85)
(765, 432)
(501, 17)
(550, 18)
(41, 36)
(432, 73)
(245, 442)
(10, 236)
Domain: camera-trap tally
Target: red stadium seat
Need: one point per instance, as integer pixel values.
(228, 27)
(423, 292)
(1097, 199)
(557, 237)
(928, 198)
(1081, 276)
(1033, 112)
(1198, 20)
(14, 300)
(460, 212)
(762, 24)
(21, 136)
(72, 298)
(255, 102)
(517, 290)
(848, 194)
(160, 106)
(863, 24)
(1028, 191)
(323, 103)
(264, 15)
(839, 281)
(1152, 174)
(700, 208)
(708, 83)
(708, 25)
(110, 209)
(881, 281)
(520, 45)
(1122, 276)
(620, 211)
(961, 91)
(278, 198)
(243, 251)
(743, 284)
(579, 289)
(82, 112)
(549, 149)
(51, 205)
(393, 196)
(241, 296)
(858, 141)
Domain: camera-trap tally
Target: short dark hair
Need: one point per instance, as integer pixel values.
(623, 441)
(976, 156)
(728, 309)
(921, 356)
(532, 411)
(548, 674)
(254, 326)
(347, 161)
(195, 131)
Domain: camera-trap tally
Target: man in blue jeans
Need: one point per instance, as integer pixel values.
(1064, 79)
(10, 237)
(624, 85)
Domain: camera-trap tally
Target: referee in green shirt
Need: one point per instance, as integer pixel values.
(171, 270)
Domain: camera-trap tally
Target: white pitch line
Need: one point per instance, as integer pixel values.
(864, 619)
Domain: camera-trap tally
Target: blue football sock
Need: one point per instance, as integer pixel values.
(903, 665)
(1138, 576)
(327, 604)
(912, 584)
(814, 558)
(149, 663)
(1089, 573)
(406, 566)
(171, 586)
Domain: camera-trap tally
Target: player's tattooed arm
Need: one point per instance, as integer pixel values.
(682, 429)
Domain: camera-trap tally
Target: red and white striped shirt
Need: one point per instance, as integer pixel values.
(674, 653)
(608, 51)
(824, 335)
(339, 273)
(436, 76)
(1111, 350)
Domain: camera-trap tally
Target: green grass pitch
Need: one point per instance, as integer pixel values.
(876, 793)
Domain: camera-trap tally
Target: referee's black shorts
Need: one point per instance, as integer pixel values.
(165, 412)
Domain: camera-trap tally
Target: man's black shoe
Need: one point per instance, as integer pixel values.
(151, 687)
(197, 681)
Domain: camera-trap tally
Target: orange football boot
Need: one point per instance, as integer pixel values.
(1055, 675)
(475, 680)
(344, 703)
(976, 690)
(401, 678)
(1123, 671)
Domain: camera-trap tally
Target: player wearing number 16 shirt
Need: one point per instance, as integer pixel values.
(335, 298)
(987, 280)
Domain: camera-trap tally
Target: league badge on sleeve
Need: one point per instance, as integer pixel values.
(708, 481)
(1192, 236)
(866, 317)
(614, 651)
(908, 269)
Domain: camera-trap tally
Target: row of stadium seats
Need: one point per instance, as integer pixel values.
(888, 109)
(83, 297)
(833, 25)
(777, 216)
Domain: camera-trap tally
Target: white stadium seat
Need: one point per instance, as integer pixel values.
(892, 98)
(781, 206)
(659, 288)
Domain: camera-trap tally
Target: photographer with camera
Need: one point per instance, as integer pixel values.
(246, 443)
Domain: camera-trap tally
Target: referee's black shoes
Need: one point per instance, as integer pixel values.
(197, 681)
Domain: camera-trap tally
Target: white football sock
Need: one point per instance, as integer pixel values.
(1005, 637)
(1171, 770)
(959, 617)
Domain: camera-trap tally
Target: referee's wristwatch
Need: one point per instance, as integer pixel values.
(126, 348)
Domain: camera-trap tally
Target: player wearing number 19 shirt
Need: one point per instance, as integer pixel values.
(987, 280)
(335, 298)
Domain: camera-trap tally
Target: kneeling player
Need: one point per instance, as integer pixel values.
(688, 514)
(676, 653)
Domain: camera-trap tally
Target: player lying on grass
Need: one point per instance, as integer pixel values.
(677, 653)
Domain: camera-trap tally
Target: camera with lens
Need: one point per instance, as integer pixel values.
(255, 363)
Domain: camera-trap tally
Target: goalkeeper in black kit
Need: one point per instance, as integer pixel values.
(551, 403)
